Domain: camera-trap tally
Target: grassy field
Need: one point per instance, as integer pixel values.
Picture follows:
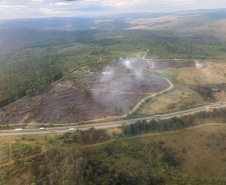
(201, 149)
(4, 154)
(184, 95)
(20, 150)
(214, 73)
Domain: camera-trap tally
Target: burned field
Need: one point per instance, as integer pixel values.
(157, 64)
(104, 94)
(112, 91)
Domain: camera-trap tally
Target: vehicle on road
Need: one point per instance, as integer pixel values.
(41, 128)
(209, 108)
(18, 129)
(71, 129)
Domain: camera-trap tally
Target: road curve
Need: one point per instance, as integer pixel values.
(108, 124)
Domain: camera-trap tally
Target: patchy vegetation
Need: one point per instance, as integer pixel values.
(20, 150)
(4, 154)
(190, 152)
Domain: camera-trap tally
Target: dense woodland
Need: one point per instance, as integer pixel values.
(31, 59)
(174, 123)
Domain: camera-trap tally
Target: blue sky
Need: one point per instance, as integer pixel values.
(74, 8)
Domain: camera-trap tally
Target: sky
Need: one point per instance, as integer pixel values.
(77, 8)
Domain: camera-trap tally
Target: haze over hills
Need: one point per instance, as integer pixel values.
(194, 21)
(171, 21)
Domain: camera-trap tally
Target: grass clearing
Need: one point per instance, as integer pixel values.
(183, 96)
(213, 74)
(202, 149)
(176, 100)
(20, 150)
(4, 154)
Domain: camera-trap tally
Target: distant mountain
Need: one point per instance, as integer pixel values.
(166, 21)
(182, 14)
(197, 21)
(213, 23)
(64, 24)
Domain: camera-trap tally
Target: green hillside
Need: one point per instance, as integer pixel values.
(187, 150)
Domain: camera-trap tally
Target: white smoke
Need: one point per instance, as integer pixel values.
(127, 64)
(116, 78)
(199, 65)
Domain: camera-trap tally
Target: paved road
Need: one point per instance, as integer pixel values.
(108, 124)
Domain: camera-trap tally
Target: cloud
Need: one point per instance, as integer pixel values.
(63, 3)
(44, 8)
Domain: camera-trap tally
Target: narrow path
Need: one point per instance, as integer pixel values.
(145, 54)
(10, 153)
(181, 130)
(148, 60)
(153, 65)
(100, 59)
(10, 161)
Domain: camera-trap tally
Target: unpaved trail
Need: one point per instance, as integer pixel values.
(181, 130)
(152, 66)
(148, 61)
(10, 153)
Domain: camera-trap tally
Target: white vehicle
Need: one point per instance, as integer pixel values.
(71, 129)
(18, 129)
(41, 128)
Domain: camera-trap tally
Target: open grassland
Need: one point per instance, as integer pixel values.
(4, 154)
(186, 81)
(201, 150)
(176, 100)
(214, 73)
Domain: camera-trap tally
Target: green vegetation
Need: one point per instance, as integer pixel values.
(90, 136)
(20, 150)
(206, 92)
(97, 157)
(4, 154)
